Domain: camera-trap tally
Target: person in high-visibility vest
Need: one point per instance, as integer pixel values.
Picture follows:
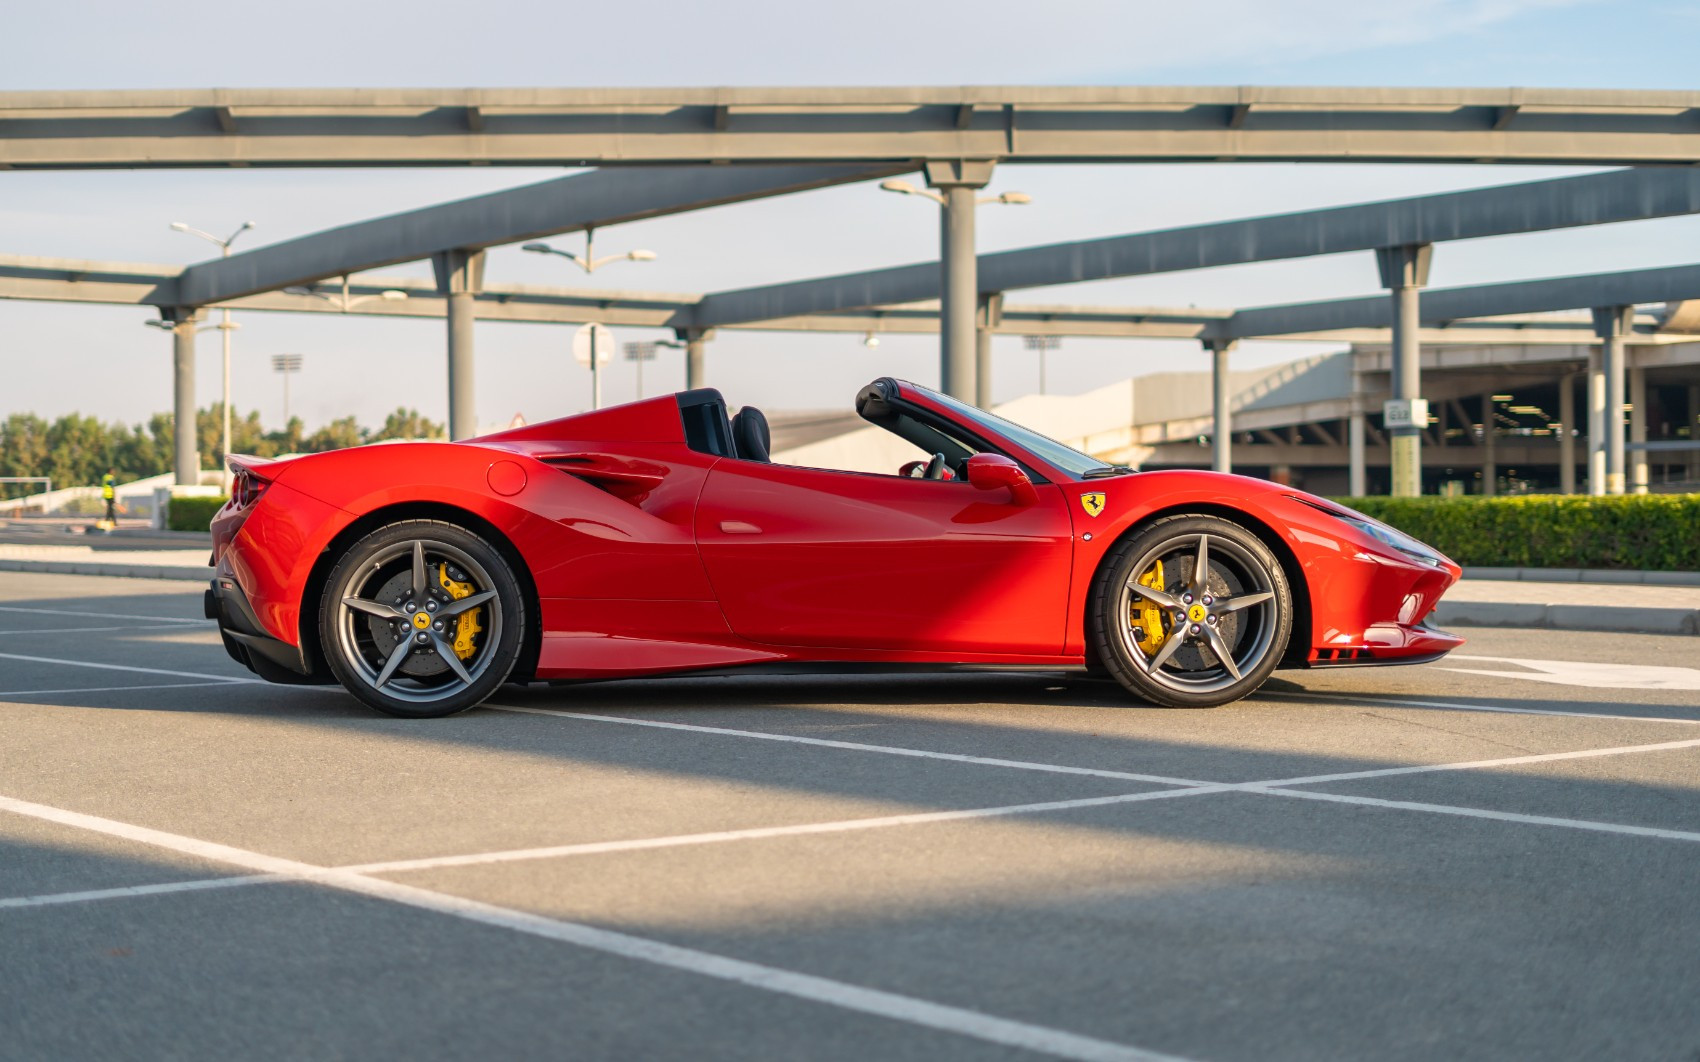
(109, 492)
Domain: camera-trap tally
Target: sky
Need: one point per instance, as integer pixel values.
(56, 359)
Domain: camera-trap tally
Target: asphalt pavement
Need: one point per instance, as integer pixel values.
(1492, 857)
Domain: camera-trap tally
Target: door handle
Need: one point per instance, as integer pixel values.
(739, 527)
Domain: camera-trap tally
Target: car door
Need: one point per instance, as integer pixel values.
(815, 557)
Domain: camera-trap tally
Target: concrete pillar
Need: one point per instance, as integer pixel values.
(986, 319)
(1222, 422)
(958, 182)
(1490, 466)
(1596, 425)
(185, 449)
(1638, 430)
(1404, 271)
(696, 360)
(1694, 430)
(1566, 434)
(1612, 324)
(460, 276)
(1358, 474)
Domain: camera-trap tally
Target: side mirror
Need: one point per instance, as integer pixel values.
(991, 471)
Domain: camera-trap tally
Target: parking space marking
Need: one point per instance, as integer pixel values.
(126, 892)
(856, 746)
(1507, 761)
(1381, 702)
(103, 615)
(1481, 813)
(840, 994)
(94, 630)
(112, 689)
(764, 832)
(234, 680)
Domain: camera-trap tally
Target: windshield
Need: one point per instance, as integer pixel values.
(1066, 458)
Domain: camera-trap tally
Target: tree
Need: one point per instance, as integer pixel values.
(406, 423)
(337, 435)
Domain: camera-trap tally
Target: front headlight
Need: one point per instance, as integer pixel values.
(1387, 536)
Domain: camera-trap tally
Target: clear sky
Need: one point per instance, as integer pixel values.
(101, 360)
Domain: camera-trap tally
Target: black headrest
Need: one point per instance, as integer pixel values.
(750, 436)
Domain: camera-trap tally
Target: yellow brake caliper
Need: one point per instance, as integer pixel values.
(467, 624)
(1147, 616)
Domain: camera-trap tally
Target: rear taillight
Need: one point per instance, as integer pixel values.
(246, 489)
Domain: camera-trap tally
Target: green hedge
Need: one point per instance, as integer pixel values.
(1648, 532)
(192, 514)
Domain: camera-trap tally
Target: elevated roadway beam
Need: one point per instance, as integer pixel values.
(602, 126)
(1665, 284)
(1567, 202)
(570, 204)
(131, 284)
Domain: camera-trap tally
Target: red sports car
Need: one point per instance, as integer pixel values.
(659, 538)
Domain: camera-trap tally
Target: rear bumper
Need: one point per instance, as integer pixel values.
(247, 641)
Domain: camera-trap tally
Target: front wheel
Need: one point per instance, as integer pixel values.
(1191, 612)
(422, 618)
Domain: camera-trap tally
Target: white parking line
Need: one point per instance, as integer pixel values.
(101, 615)
(1483, 813)
(199, 885)
(127, 667)
(1377, 702)
(115, 689)
(890, 1005)
(94, 630)
(765, 832)
(855, 746)
(1507, 761)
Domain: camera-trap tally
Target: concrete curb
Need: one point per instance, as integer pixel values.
(1608, 618)
(116, 571)
(1584, 575)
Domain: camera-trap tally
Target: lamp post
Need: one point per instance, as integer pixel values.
(284, 365)
(590, 264)
(1042, 344)
(965, 311)
(588, 261)
(343, 302)
(226, 327)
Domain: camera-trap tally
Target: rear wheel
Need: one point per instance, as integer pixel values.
(1191, 612)
(422, 618)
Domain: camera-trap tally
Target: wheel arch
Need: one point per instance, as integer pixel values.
(361, 526)
(1297, 652)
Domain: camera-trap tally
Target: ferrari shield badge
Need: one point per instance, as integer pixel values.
(1093, 503)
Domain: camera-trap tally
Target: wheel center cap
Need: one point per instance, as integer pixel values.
(421, 620)
(1196, 613)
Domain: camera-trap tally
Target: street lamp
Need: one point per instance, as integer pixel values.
(638, 353)
(284, 365)
(587, 261)
(226, 327)
(902, 187)
(590, 263)
(1042, 344)
(344, 302)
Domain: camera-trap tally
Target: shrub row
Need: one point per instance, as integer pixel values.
(192, 514)
(1648, 532)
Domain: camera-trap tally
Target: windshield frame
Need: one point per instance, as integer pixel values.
(1039, 449)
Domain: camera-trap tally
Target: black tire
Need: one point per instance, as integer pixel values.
(1244, 608)
(403, 661)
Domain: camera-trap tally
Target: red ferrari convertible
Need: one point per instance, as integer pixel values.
(659, 538)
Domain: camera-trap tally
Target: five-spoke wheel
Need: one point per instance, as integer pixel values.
(421, 618)
(1193, 611)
